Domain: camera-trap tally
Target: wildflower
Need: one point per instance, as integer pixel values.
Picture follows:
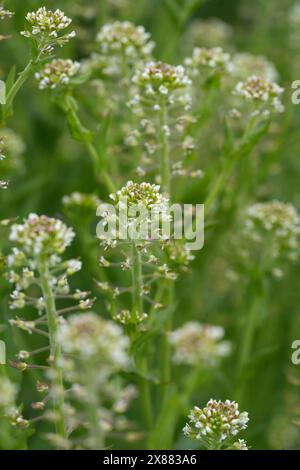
(81, 200)
(208, 33)
(140, 207)
(42, 234)
(46, 27)
(143, 195)
(73, 266)
(160, 80)
(204, 59)
(18, 421)
(125, 317)
(90, 336)
(27, 326)
(196, 343)
(18, 299)
(246, 65)
(125, 38)
(216, 423)
(262, 93)
(276, 226)
(57, 73)
(241, 444)
(5, 13)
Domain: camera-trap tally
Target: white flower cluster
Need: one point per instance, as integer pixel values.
(138, 206)
(276, 224)
(41, 239)
(195, 344)
(246, 65)
(216, 423)
(46, 27)
(81, 200)
(57, 73)
(240, 444)
(42, 235)
(5, 13)
(158, 82)
(144, 195)
(208, 33)
(89, 336)
(213, 59)
(125, 38)
(262, 93)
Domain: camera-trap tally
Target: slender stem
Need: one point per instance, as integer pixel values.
(165, 171)
(165, 351)
(220, 181)
(257, 299)
(104, 174)
(55, 350)
(18, 83)
(250, 327)
(23, 76)
(248, 141)
(92, 407)
(165, 174)
(137, 282)
(137, 311)
(99, 163)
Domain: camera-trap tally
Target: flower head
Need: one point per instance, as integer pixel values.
(208, 33)
(42, 235)
(277, 225)
(210, 59)
(125, 38)
(139, 209)
(196, 343)
(5, 13)
(246, 65)
(81, 200)
(46, 27)
(240, 444)
(262, 93)
(91, 337)
(57, 73)
(144, 195)
(161, 78)
(216, 423)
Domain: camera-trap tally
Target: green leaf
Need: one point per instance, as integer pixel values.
(161, 437)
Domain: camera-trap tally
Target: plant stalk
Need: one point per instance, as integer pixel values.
(137, 311)
(55, 349)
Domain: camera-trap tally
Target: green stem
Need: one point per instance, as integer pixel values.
(82, 134)
(254, 312)
(55, 349)
(165, 171)
(137, 311)
(23, 76)
(165, 349)
(92, 407)
(104, 174)
(220, 181)
(165, 174)
(248, 141)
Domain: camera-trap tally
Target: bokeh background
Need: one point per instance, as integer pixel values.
(48, 165)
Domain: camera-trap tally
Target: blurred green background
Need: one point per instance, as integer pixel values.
(52, 165)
